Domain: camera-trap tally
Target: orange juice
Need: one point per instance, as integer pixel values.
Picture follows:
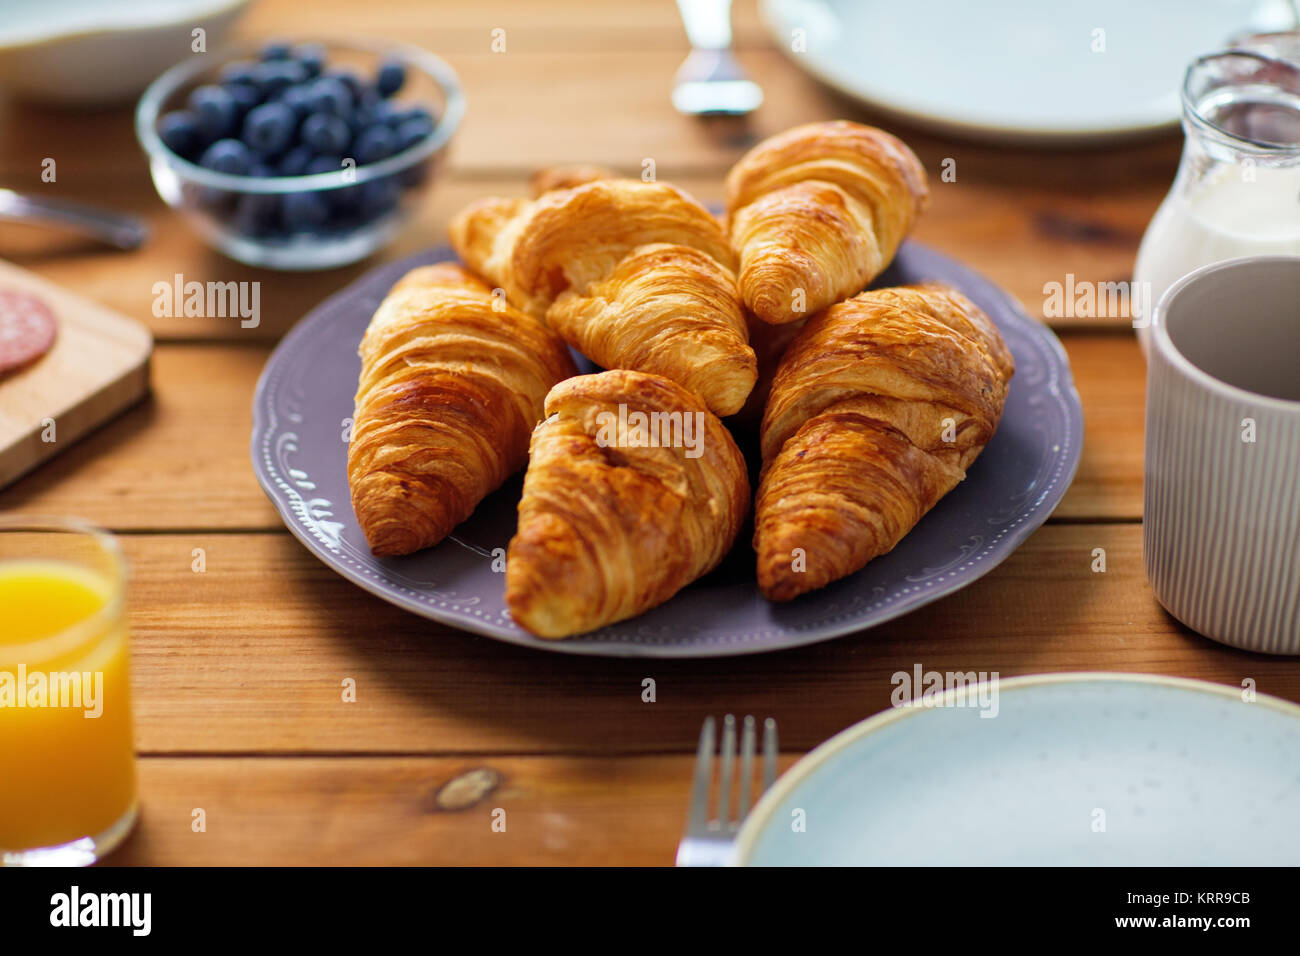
(66, 744)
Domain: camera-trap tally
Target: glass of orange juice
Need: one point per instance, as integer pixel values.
(67, 758)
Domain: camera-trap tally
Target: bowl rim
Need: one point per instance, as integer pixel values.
(150, 105)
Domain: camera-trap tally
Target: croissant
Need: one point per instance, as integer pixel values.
(877, 410)
(633, 490)
(452, 383)
(817, 212)
(634, 275)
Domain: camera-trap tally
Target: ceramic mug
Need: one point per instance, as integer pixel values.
(1221, 509)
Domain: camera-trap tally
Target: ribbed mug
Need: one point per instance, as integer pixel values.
(1221, 510)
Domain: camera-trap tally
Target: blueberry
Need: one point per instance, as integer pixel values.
(312, 57)
(274, 75)
(368, 99)
(414, 130)
(325, 133)
(379, 196)
(269, 128)
(294, 162)
(179, 131)
(385, 112)
(404, 112)
(275, 50)
(298, 98)
(348, 79)
(245, 95)
(215, 111)
(323, 164)
(331, 95)
(346, 202)
(390, 78)
(374, 143)
(255, 213)
(240, 71)
(228, 156)
(303, 211)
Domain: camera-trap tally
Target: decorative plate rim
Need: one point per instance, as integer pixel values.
(798, 773)
(622, 639)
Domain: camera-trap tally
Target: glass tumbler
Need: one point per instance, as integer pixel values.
(67, 756)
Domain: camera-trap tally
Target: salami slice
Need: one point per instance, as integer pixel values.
(27, 329)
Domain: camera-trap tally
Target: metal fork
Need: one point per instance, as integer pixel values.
(711, 81)
(113, 228)
(708, 840)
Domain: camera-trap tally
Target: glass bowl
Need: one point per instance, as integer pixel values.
(257, 219)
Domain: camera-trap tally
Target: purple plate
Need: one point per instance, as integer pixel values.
(301, 417)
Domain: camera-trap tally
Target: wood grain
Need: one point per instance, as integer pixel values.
(180, 459)
(251, 655)
(238, 669)
(373, 811)
(1024, 217)
(1020, 236)
(98, 365)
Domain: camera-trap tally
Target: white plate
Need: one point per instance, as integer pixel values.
(93, 52)
(1178, 772)
(1016, 69)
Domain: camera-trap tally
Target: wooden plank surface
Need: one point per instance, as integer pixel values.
(1024, 217)
(364, 811)
(180, 459)
(251, 657)
(238, 669)
(1021, 235)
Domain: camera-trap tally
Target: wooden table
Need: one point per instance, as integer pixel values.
(238, 670)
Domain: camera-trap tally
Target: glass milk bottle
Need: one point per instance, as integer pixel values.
(1237, 192)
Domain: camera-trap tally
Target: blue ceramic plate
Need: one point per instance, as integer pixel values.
(304, 404)
(1074, 770)
(1014, 70)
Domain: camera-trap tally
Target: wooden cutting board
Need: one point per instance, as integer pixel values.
(98, 366)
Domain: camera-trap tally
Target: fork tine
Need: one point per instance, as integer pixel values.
(747, 744)
(728, 770)
(699, 816)
(769, 753)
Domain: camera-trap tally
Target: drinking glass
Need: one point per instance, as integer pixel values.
(67, 757)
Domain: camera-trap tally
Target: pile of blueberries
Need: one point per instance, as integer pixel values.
(287, 115)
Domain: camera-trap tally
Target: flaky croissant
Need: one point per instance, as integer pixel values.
(452, 383)
(619, 513)
(634, 275)
(878, 408)
(817, 212)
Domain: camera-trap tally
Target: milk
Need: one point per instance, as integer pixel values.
(1238, 209)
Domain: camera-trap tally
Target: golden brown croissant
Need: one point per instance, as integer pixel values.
(817, 212)
(452, 383)
(634, 489)
(877, 410)
(634, 275)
